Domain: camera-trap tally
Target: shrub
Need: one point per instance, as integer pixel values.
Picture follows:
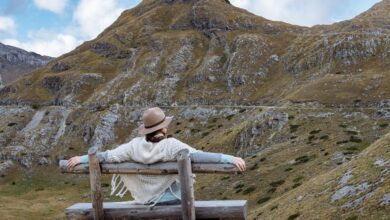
(324, 137)
(354, 217)
(296, 185)
(255, 166)
(316, 131)
(294, 128)
(238, 186)
(297, 179)
(229, 117)
(383, 125)
(263, 200)
(351, 132)
(274, 207)
(302, 159)
(249, 190)
(35, 106)
(293, 216)
(272, 190)
(276, 183)
(342, 142)
(355, 139)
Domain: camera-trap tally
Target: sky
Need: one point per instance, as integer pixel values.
(55, 27)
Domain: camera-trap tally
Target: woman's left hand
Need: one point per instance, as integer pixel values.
(239, 163)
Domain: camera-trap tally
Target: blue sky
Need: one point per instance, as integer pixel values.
(54, 27)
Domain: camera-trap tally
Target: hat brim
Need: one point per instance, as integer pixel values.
(143, 131)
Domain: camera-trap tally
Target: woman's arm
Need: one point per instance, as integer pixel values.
(208, 157)
(117, 155)
(102, 157)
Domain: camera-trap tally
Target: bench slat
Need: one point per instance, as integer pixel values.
(156, 169)
(220, 209)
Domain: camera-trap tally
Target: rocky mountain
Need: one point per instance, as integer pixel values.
(15, 62)
(301, 105)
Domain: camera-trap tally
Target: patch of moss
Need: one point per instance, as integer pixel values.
(343, 125)
(383, 125)
(263, 200)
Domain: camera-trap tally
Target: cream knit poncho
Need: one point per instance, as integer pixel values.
(144, 187)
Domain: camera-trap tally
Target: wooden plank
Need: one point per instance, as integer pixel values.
(219, 209)
(96, 189)
(155, 169)
(186, 184)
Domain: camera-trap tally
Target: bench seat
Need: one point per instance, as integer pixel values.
(214, 209)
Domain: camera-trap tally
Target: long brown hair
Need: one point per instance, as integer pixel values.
(156, 136)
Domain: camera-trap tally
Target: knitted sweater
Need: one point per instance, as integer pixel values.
(144, 187)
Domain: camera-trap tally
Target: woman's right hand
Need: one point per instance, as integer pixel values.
(239, 163)
(73, 161)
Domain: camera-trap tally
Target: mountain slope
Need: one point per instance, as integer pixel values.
(15, 62)
(359, 189)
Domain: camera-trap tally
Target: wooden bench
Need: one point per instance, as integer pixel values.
(189, 208)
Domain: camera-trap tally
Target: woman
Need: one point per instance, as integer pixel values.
(154, 146)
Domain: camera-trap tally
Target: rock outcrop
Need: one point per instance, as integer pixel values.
(15, 62)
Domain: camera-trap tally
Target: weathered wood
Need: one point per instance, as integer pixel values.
(186, 184)
(95, 179)
(155, 169)
(219, 209)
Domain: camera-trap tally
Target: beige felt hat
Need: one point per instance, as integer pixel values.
(154, 120)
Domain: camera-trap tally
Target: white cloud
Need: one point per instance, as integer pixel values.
(301, 12)
(46, 43)
(93, 16)
(56, 6)
(7, 25)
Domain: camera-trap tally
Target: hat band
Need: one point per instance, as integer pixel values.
(156, 123)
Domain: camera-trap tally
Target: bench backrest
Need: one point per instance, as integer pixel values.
(183, 167)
